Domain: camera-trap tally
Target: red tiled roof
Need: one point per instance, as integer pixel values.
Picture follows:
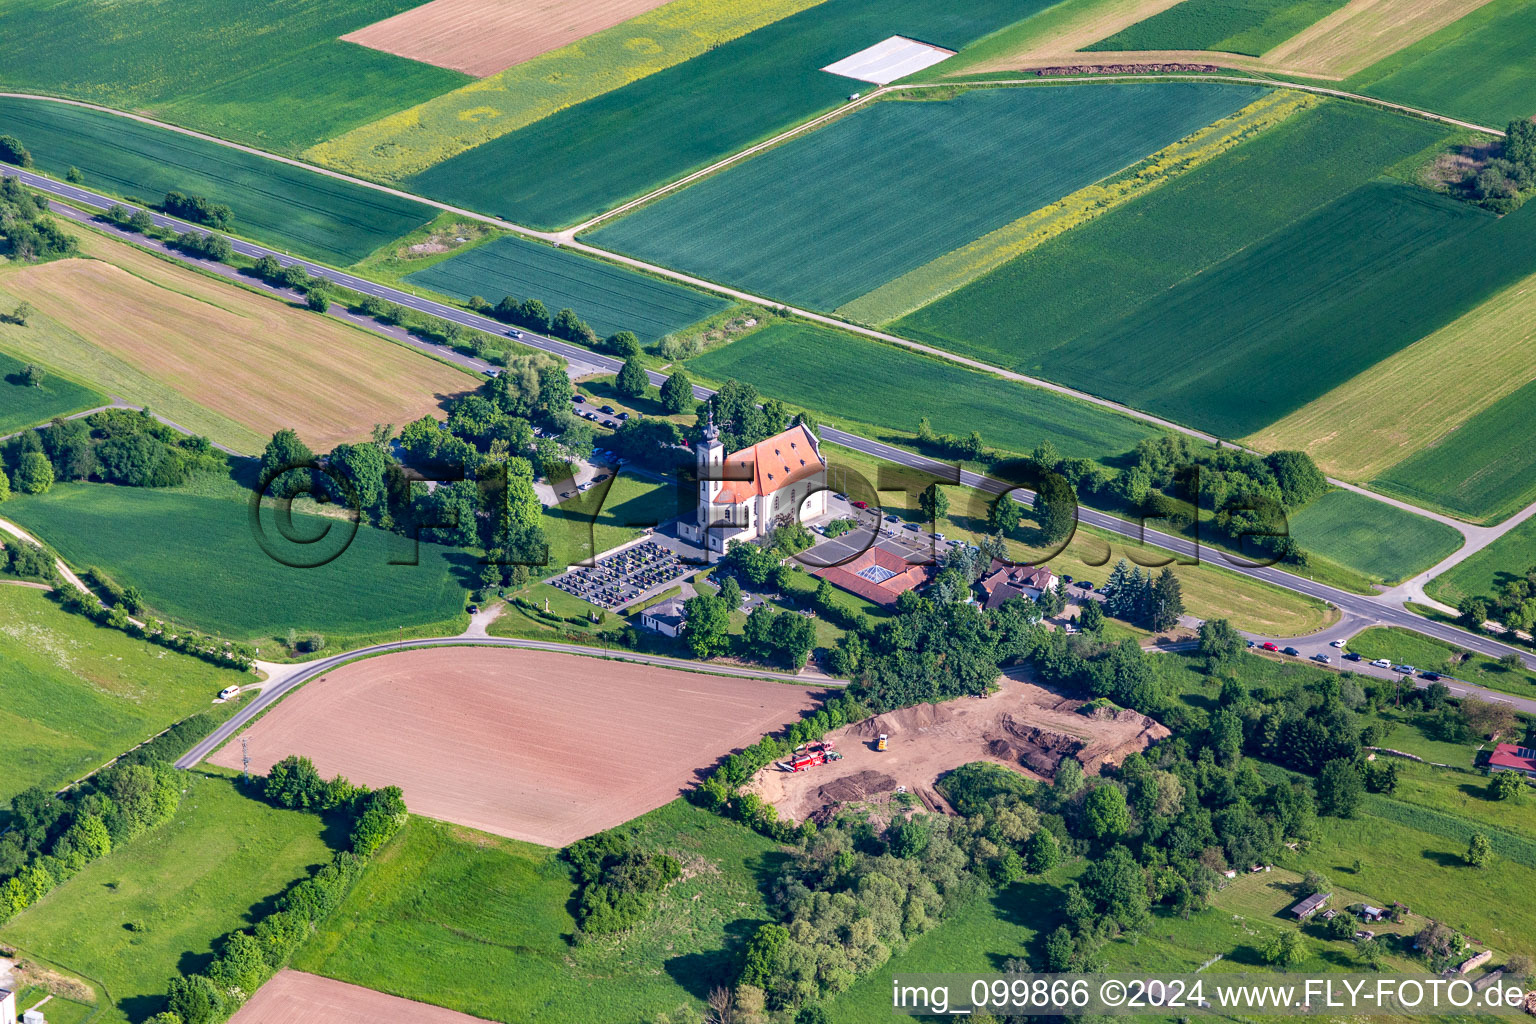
(1507, 755)
(907, 576)
(769, 465)
(1017, 577)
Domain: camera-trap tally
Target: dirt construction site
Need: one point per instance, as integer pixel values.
(1023, 726)
(537, 746)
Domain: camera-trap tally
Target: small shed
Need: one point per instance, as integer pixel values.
(665, 618)
(1370, 913)
(33, 1017)
(1309, 906)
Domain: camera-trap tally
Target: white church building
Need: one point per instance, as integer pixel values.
(744, 495)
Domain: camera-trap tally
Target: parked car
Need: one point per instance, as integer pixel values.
(600, 478)
(1085, 584)
(1252, 643)
(1433, 677)
(608, 409)
(1336, 643)
(228, 692)
(1381, 663)
(1291, 651)
(892, 519)
(940, 538)
(1268, 647)
(623, 415)
(1065, 578)
(1406, 670)
(860, 504)
(1351, 656)
(1322, 658)
(578, 398)
(840, 497)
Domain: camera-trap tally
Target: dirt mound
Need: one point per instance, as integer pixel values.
(1023, 726)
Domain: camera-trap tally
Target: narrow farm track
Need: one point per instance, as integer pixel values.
(567, 238)
(1379, 608)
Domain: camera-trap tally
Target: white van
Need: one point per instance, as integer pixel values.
(228, 692)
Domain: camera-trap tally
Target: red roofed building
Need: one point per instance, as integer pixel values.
(878, 575)
(1509, 758)
(1003, 582)
(743, 496)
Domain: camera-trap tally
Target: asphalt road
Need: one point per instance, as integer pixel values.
(304, 673)
(1356, 607)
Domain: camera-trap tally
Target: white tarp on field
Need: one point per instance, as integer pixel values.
(883, 63)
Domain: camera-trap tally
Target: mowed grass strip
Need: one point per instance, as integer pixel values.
(155, 906)
(1074, 288)
(198, 560)
(1380, 540)
(1477, 68)
(837, 213)
(1397, 407)
(1234, 26)
(494, 909)
(25, 405)
(1508, 558)
(1363, 32)
(316, 215)
(1405, 647)
(412, 140)
(590, 157)
(1484, 470)
(958, 267)
(259, 361)
(608, 297)
(74, 694)
(864, 381)
(273, 73)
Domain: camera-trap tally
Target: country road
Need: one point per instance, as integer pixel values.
(1371, 608)
(289, 677)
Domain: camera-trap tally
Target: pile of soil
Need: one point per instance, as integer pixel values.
(1123, 69)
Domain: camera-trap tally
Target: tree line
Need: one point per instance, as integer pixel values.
(27, 232)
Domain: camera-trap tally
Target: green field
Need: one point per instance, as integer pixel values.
(610, 298)
(1068, 295)
(74, 694)
(22, 405)
(1405, 647)
(273, 74)
(867, 382)
(589, 157)
(835, 214)
(198, 561)
(184, 886)
(1231, 346)
(1480, 575)
(1484, 470)
(1477, 68)
(315, 215)
(495, 915)
(1372, 537)
(1230, 26)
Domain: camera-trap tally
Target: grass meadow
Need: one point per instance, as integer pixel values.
(606, 516)
(837, 213)
(1371, 537)
(1405, 647)
(412, 140)
(74, 694)
(1512, 555)
(867, 382)
(315, 215)
(494, 910)
(272, 74)
(1484, 470)
(157, 905)
(609, 297)
(23, 405)
(589, 157)
(1231, 26)
(1476, 68)
(1036, 312)
(199, 561)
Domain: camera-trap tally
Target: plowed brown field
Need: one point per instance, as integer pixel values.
(292, 997)
(482, 37)
(546, 748)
